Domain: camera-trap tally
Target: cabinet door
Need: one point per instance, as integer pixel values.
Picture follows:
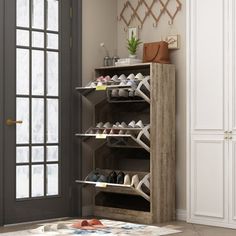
(232, 69)
(209, 163)
(208, 66)
(232, 180)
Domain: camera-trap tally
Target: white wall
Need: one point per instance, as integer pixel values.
(151, 34)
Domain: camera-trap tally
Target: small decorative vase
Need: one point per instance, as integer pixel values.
(133, 56)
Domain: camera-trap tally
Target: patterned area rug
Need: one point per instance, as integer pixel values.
(112, 228)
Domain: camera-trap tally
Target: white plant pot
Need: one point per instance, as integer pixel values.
(132, 56)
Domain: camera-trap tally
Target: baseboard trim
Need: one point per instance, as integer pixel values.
(181, 215)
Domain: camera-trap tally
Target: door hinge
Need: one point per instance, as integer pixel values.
(71, 12)
(71, 41)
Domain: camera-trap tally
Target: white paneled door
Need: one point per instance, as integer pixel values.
(209, 161)
(211, 112)
(232, 181)
(208, 63)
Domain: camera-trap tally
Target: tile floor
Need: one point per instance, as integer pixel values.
(188, 229)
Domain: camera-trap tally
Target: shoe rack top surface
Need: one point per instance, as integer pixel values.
(123, 67)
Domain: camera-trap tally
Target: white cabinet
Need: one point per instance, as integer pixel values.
(232, 181)
(211, 132)
(208, 177)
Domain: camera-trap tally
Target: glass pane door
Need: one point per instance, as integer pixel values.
(37, 99)
(37, 133)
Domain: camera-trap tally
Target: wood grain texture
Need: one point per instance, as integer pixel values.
(161, 115)
(163, 142)
(123, 214)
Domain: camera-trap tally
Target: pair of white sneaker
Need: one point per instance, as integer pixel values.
(143, 186)
(125, 92)
(121, 125)
(133, 182)
(133, 124)
(106, 125)
(122, 77)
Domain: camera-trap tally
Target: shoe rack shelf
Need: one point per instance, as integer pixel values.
(142, 91)
(115, 188)
(117, 140)
(135, 151)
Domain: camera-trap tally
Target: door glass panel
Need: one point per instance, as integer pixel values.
(22, 71)
(52, 41)
(37, 184)
(37, 72)
(52, 73)
(22, 37)
(52, 16)
(52, 180)
(37, 39)
(22, 113)
(22, 13)
(37, 99)
(52, 153)
(22, 154)
(37, 120)
(22, 182)
(37, 154)
(52, 120)
(38, 14)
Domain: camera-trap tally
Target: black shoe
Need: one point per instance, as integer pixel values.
(112, 177)
(120, 178)
(93, 176)
(102, 179)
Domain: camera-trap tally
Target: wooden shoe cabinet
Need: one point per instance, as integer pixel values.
(128, 152)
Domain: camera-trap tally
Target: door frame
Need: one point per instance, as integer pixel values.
(76, 106)
(1, 107)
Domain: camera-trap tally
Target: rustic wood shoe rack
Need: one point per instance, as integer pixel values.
(128, 152)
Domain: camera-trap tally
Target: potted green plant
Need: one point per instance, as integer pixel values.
(133, 44)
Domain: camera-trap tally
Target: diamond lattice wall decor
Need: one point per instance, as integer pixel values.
(164, 6)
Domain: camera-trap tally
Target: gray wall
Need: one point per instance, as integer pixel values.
(100, 25)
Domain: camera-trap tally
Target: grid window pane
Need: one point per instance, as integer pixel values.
(22, 154)
(22, 71)
(22, 13)
(38, 14)
(37, 72)
(37, 154)
(22, 182)
(22, 113)
(37, 120)
(37, 184)
(38, 39)
(52, 153)
(52, 16)
(37, 98)
(52, 120)
(52, 41)
(22, 38)
(52, 73)
(52, 180)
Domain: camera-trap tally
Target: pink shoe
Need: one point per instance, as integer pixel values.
(100, 79)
